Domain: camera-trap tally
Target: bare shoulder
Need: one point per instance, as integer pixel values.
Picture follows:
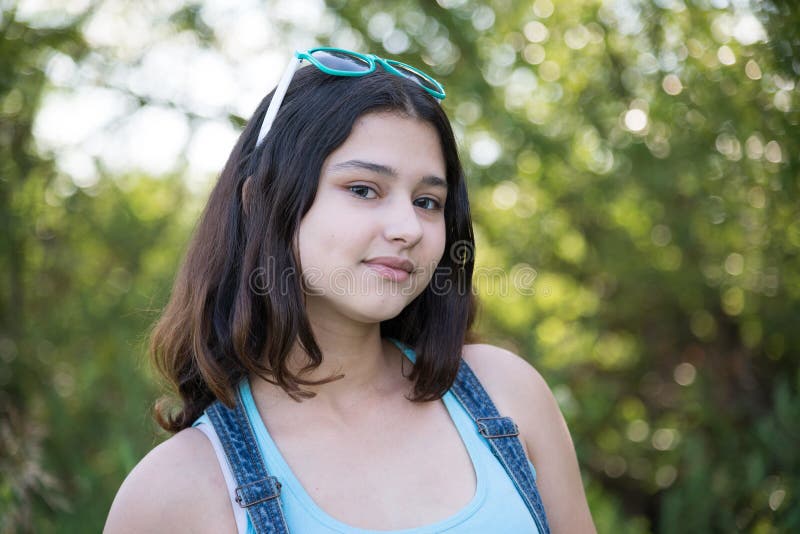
(178, 486)
(520, 392)
(503, 373)
(515, 386)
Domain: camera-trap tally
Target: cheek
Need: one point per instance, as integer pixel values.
(440, 240)
(325, 233)
(308, 237)
(328, 216)
(435, 249)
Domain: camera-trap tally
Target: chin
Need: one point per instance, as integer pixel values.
(378, 310)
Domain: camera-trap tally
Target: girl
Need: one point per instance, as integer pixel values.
(316, 336)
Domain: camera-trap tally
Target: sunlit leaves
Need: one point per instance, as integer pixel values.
(636, 155)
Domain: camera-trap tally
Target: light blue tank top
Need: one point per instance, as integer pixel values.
(495, 507)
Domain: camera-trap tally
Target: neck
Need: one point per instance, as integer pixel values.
(370, 366)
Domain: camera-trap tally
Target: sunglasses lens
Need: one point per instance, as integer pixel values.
(415, 76)
(340, 61)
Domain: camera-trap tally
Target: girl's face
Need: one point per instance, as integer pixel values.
(372, 239)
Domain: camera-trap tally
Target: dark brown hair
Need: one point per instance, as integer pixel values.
(226, 316)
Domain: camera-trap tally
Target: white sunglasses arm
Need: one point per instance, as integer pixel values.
(277, 98)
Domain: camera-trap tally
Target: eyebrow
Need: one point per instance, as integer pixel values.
(385, 170)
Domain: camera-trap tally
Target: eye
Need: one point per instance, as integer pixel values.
(366, 192)
(428, 203)
(363, 191)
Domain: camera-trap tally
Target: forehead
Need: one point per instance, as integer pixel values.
(409, 145)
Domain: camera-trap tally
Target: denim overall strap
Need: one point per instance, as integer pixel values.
(503, 437)
(257, 491)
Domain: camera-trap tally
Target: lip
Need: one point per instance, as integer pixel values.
(392, 267)
(393, 262)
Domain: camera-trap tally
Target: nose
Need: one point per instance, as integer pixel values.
(402, 223)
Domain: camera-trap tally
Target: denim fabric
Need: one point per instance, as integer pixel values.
(503, 436)
(260, 493)
(257, 491)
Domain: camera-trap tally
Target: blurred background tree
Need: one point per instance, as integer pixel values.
(639, 157)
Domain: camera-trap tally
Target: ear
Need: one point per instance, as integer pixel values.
(247, 195)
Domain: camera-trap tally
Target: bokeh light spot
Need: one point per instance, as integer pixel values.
(666, 475)
(635, 120)
(684, 374)
(484, 150)
(733, 301)
(752, 70)
(672, 85)
(734, 264)
(536, 32)
(726, 55)
(543, 8)
(505, 195)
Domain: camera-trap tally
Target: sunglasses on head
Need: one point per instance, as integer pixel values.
(340, 62)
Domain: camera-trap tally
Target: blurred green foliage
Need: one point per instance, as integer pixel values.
(639, 158)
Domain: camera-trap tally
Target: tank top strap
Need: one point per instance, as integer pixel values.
(203, 424)
(257, 491)
(501, 433)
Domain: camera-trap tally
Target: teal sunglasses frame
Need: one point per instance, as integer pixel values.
(372, 61)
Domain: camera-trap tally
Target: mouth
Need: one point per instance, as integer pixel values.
(392, 268)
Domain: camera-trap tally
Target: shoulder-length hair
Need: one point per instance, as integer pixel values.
(223, 321)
